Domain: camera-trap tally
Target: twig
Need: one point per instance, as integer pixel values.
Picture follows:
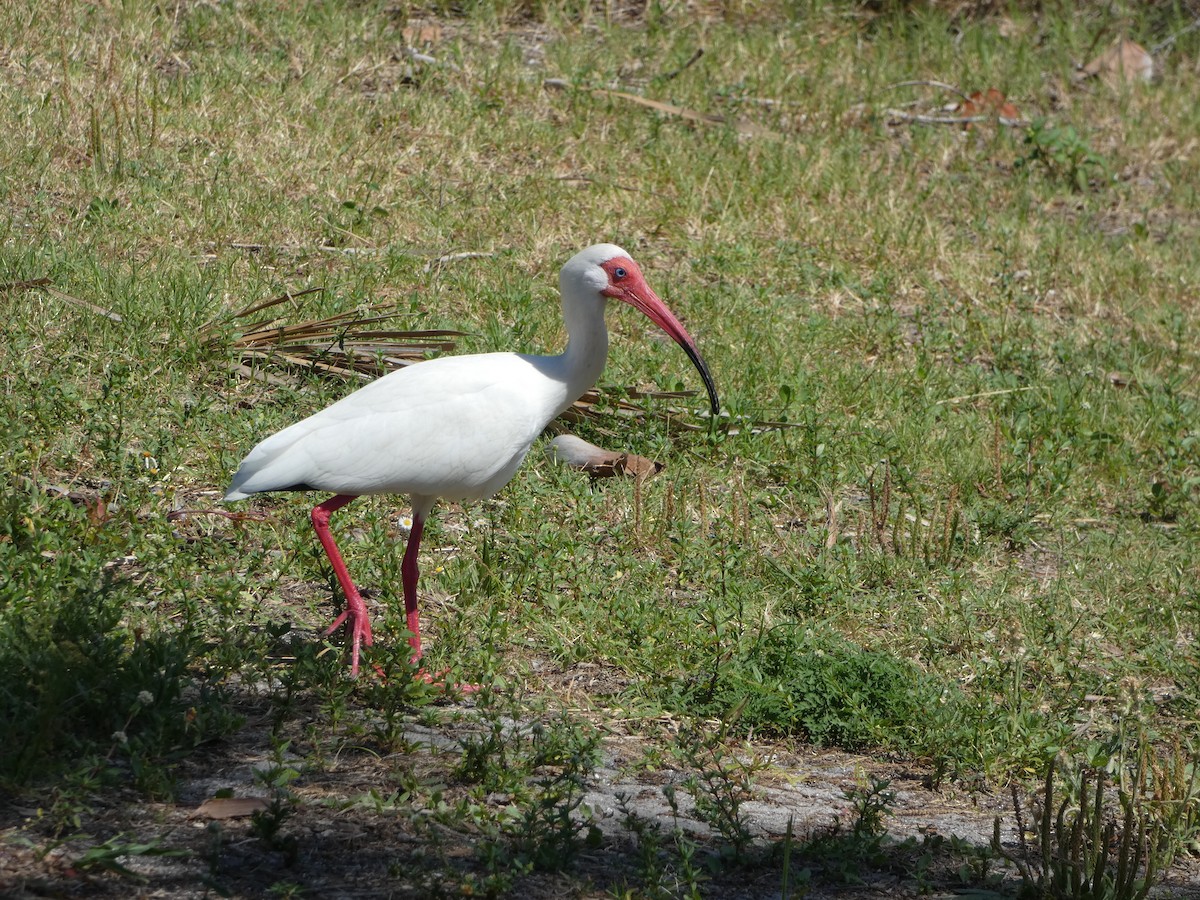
(176, 514)
(259, 307)
(691, 61)
(24, 285)
(896, 115)
(759, 101)
(417, 56)
(251, 374)
(670, 108)
(448, 258)
(921, 83)
(107, 313)
(1171, 39)
(351, 251)
(996, 393)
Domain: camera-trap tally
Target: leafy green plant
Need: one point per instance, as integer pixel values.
(543, 767)
(108, 855)
(75, 680)
(282, 803)
(865, 844)
(1063, 154)
(791, 680)
(719, 781)
(667, 864)
(870, 803)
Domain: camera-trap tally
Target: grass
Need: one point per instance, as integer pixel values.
(974, 545)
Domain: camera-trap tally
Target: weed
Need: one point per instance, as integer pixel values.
(718, 781)
(661, 876)
(871, 803)
(108, 856)
(790, 680)
(1087, 847)
(865, 845)
(74, 680)
(543, 767)
(267, 823)
(1064, 155)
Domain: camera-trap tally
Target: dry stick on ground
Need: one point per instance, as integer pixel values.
(24, 285)
(691, 62)
(47, 284)
(922, 83)
(1170, 40)
(107, 313)
(748, 128)
(348, 344)
(896, 116)
(444, 260)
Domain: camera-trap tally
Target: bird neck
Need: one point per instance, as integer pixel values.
(587, 342)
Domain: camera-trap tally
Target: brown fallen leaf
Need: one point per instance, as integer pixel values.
(598, 462)
(1124, 61)
(229, 807)
(421, 34)
(987, 103)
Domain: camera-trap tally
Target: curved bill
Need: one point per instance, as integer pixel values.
(643, 298)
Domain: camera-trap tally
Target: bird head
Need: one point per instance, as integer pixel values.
(612, 273)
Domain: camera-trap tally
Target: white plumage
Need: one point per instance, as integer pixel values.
(395, 435)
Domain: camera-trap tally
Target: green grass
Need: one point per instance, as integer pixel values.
(975, 544)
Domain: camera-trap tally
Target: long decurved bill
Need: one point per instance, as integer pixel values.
(641, 297)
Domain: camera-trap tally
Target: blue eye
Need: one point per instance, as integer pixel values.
(618, 273)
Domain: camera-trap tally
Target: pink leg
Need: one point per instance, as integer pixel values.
(409, 574)
(356, 610)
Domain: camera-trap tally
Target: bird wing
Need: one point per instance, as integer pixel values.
(455, 427)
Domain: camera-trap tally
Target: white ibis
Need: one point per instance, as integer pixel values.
(455, 427)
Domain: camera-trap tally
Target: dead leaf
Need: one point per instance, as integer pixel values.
(422, 34)
(1124, 61)
(991, 102)
(598, 462)
(97, 512)
(229, 807)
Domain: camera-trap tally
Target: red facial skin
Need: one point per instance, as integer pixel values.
(625, 283)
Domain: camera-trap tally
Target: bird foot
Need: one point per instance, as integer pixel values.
(358, 629)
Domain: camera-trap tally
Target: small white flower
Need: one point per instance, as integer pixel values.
(119, 737)
(145, 698)
(404, 523)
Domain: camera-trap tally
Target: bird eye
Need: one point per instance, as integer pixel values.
(618, 273)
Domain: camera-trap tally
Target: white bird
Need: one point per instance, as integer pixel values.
(455, 427)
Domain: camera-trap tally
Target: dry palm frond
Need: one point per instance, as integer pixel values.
(354, 346)
(600, 403)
